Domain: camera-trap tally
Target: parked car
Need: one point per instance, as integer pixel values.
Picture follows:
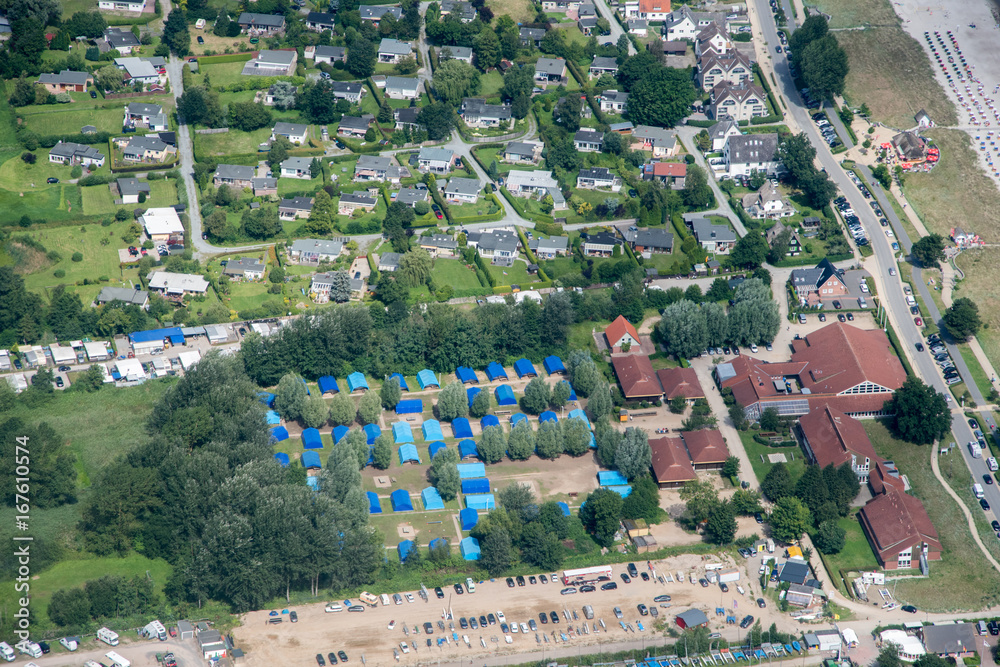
(51, 180)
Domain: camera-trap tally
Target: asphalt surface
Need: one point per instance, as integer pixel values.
(686, 133)
(616, 28)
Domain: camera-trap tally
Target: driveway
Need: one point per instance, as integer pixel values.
(686, 134)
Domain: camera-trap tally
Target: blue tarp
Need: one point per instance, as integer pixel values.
(462, 428)
(272, 418)
(410, 406)
(402, 381)
(405, 548)
(338, 433)
(356, 381)
(310, 460)
(495, 371)
(311, 439)
(517, 418)
(372, 431)
(279, 433)
(408, 454)
(427, 378)
(401, 432)
(327, 384)
(611, 478)
(579, 414)
(481, 501)
(401, 502)
(469, 518)
(624, 490)
(282, 459)
(478, 485)
(432, 429)
(471, 393)
(470, 470)
(438, 543)
(266, 397)
(313, 483)
(436, 447)
(564, 507)
(467, 448)
(374, 506)
(572, 392)
(466, 375)
(306, 385)
(523, 368)
(487, 421)
(505, 395)
(553, 364)
(173, 333)
(547, 416)
(431, 499)
(469, 548)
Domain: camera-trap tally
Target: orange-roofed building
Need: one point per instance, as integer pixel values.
(619, 333)
(899, 530)
(830, 437)
(671, 464)
(706, 447)
(654, 10)
(680, 382)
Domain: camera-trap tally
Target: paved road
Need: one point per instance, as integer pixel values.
(616, 28)
(686, 133)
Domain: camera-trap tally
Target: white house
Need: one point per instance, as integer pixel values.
(463, 53)
(162, 223)
(602, 65)
(588, 141)
(591, 178)
(525, 183)
(435, 160)
(314, 251)
(134, 6)
(739, 102)
(393, 50)
(715, 239)
(462, 190)
(661, 142)
(732, 67)
(721, 131)
(297, 167)
(329, 54)
(67, 152)
(320, 21)
(402, 88)
(352, 91)
(613, 101)
(353, 201)
(255, 24)
(271, 63)
(500, 245)
(121, 40)
(294, 208)
(177, 284)
(247, 268)
(138, 69)
(376, 168)
(475, 112)
(294, 132)
(139, 114)
(747, 152)
(767, 202)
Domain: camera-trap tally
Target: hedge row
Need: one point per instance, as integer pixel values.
(131, 169)
(466, 292)
(811, 261)
(50, 140)
(767, 89)
(765, 120)
(259, 83)
(700, 123)
(375, 91)
(225, 58)
(531, 255)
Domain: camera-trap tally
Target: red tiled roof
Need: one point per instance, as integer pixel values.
(680, 382)
(897, 521)
(646, 6)
(670, 169)
(705, 446)
(881, 479)
(636, 376)
(833, 437)
(619, 328)
(670, 461)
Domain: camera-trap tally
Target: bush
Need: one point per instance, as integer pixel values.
(422, 208)
(77, 257)
(59, 273)
(76, 172)
(28, 158)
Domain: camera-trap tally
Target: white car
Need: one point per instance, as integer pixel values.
(404, 647)
(500, 617)
(888, 233)
(333, 607)
(514, 628)
(892, 270)
(864, 287)
(524, 628)
(409, 597)
(753, 348)
(392, 624)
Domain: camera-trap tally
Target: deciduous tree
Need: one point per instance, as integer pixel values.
(962, 319)
(452, 402)
(788, 519)
(633, 456)
(921, 415)
(492, 444)
(601, 515)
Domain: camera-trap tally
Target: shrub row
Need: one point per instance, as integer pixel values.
(765, 120)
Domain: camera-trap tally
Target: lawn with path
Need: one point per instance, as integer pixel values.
(17, 176)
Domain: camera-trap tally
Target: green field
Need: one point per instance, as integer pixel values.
(233, 142)
(856, 556)
(220, 74)
(68, 119)
(757, 453)
(97, 199)
(454, 272)
(511, 275)
(17, 175)
(98, 260)
(490, 83)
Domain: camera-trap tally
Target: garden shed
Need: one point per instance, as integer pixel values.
(401, 432)
(469, 548)
(356, 381)
(427, 378)
(310, 460)
(328, 384)
(401, 379)
(279, 433)
(478, 485)
(467, 448)
(553, 364)
(495, 372)
(431, 499)
(461, 428)
(469, 518)
(400, 499)
(372, 431)
(505, 395)
(524, 368)
(466, 375)
(411, 406)
(432, 429)
(408, 454)
(374, 505)
(283, 459)
(311, 439)
(436, 447)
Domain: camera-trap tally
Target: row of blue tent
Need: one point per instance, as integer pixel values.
(468, 547)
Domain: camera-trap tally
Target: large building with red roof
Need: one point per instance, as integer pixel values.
(852, 370)
(621, 333)
(706, 447)
(636, 376)
(830, 437)
(899, 530)
(671, 463)
(680, 382)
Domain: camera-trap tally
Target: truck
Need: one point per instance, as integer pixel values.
(975, 449)
(117, 660)
(977, 490)
(71, 643)
(29, 648)
(108, 636)
(368, 599)
(6, 652)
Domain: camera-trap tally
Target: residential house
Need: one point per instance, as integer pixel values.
(352, 126)
(683, 23)
(739, 102)
(294, 132)
(951, 640)
(525, 183)
(67, 152)
(671, 464)
(314, 251)
(592, 178)
(712, 39)
(923, 119)
(523, 152)
(810, 225)
(330, 55)
(636, 377)
(794, 242)
(388, 261)
(392, 50)
(674, 48)
(402, 88)
(645, 240)
(602, 65)
(134, 6)
(746, 152)
(353, 201)
(463, 53)
(706, 448)
(435, 160)
(376, 168)
(901, 534)
(138, 70)
(439, 245)
(245, 268)
(586, 10)
(714, 238)
(531, 37)
(668, 173)
(297, 167)
(140, 114)
(352, 91)
(320, 21)
(233, 175)
(621, 334)
(121, 40)
(177, 285)
(680, 382)
(560, 5)
(374, 13)
(477, 113)
(271, 63)
(549, 248)
(661, 142)
(588, 141)
(66, 81)
(146, 149)
(721, 131)
(600, 244)
(260, 24)
(129, 189)
(322, 284)
(714, 69)
(162, 224)
(130, 296)
(500, 245)
(824, 282)
(638, 27)
(294, 208)
(465, 11)
(654, 10)
(410, 196)
(550, 70)
(587, 25)
(613, 101)
(830, 437)
(264, 186)
(463, 190)
(767, 202)
(406, 117)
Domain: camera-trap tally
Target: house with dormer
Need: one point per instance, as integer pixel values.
(732, 67)
(613, 101)
(767, 202)
(744, 101)
(475, 112)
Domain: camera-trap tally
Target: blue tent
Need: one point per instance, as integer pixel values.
(279, 433)
(356, 381)
(313, 483)
(495, 371)
(547, 416)
(623, 490)
(266, 397)
(467, 448)
(564, 507)
(436, 447)
(479, 485)
(505, 395)
(471, 393)
(311, 439)
(327, 384)
(410, 406)
(374, 506)
(408, 454)
(427, 378)
(402, 381)
(310, 460)
(469, 548)
(401, 432)
(572, 392)
(469, 518)
(401, 502)
(579, 414)
(431, 499)
(438, 543)
(523, 368)
(372, 431)
(462, 428)
(553, 364)
(175, 335)
(481, 501)
(487, 421)
(466, 375)
(306, 385)
(405, 548)
(282, 459)
(338, 433)
(470, 470)
(272, 418)
(611, 478)
(517, 418)
(432, 430)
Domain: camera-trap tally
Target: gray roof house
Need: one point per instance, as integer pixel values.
(954, 640)
(266, 185)
(297, 207)
(531, 36)
(435, 160)
(354, 126)
(402, 87)
(392, 50)
(603, 65)
(463, 190)
(463, 53)
(128, 295)
(588, 141)
(523, 151)
(352, 91)
(590, 178)
(120, 39)
(315, 250)
(130, 187)
(463, 10)
(662, 142)
(649, 240)
(296, 167)
(439, 244)
(320, 21)
(406, 117)
(261, 23)
(67, 152)
(712, 237)
(65, 80)
(477, 113)
(746, 152)
(329, 54)
(388, 261)
(550, 70)
(140, 149)
(499, 244)
(246, 267)
(374, 13)
(294, 132)
(352, 201)
(233, 175)
(410, 196)
(549, 248)
(613, 101)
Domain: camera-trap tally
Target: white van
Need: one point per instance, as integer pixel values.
(470, 584)
(71, 643)
(991, 463)
(977, 490)
(385, 600)
(740, 590)
(981, 627)
(91, 663)
(108, 636)
(713, 566)
(118, 660)
(6, 652)
(910, 301)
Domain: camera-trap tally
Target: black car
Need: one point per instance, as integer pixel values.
(483, 622)
(633, 570)
(332, 657)
(920, 347)
(993, 627)
(201, 40)
(51, 180)
(643, 610)
(429, 627)
(293, 617)
(62, 369)
(644, 575)
(93, 95)
(588, 589)
(995, 525)
(626, 578)
(458, 589)
(520, 580)
(463, 623)
(439, 593)
(837, 305)
(723, 587)
(987, 479)
(746, 622)
(554, 617)
(758, 517)
(850, 317)
(543, 618)
(532, 580)
(985, 505)
(492, 619)
(543, 578)
(60, 383)
(761, 603)
(44, 646)
(909, 608)
(510, 582)
(342, 656)
(320, 660)
(610, 586)
(504, 628)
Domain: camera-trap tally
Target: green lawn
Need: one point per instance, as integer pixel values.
(487, 155)
(289, 185)
(454, 272)
(98, 260)
(97, 199)
(511, 275)
(17, 175)
(490, 83)
(220, 74)
(856, 556)
(105, 115)
(233, 142)
(757, 453)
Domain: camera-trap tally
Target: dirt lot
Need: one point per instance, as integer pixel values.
(366, 634)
